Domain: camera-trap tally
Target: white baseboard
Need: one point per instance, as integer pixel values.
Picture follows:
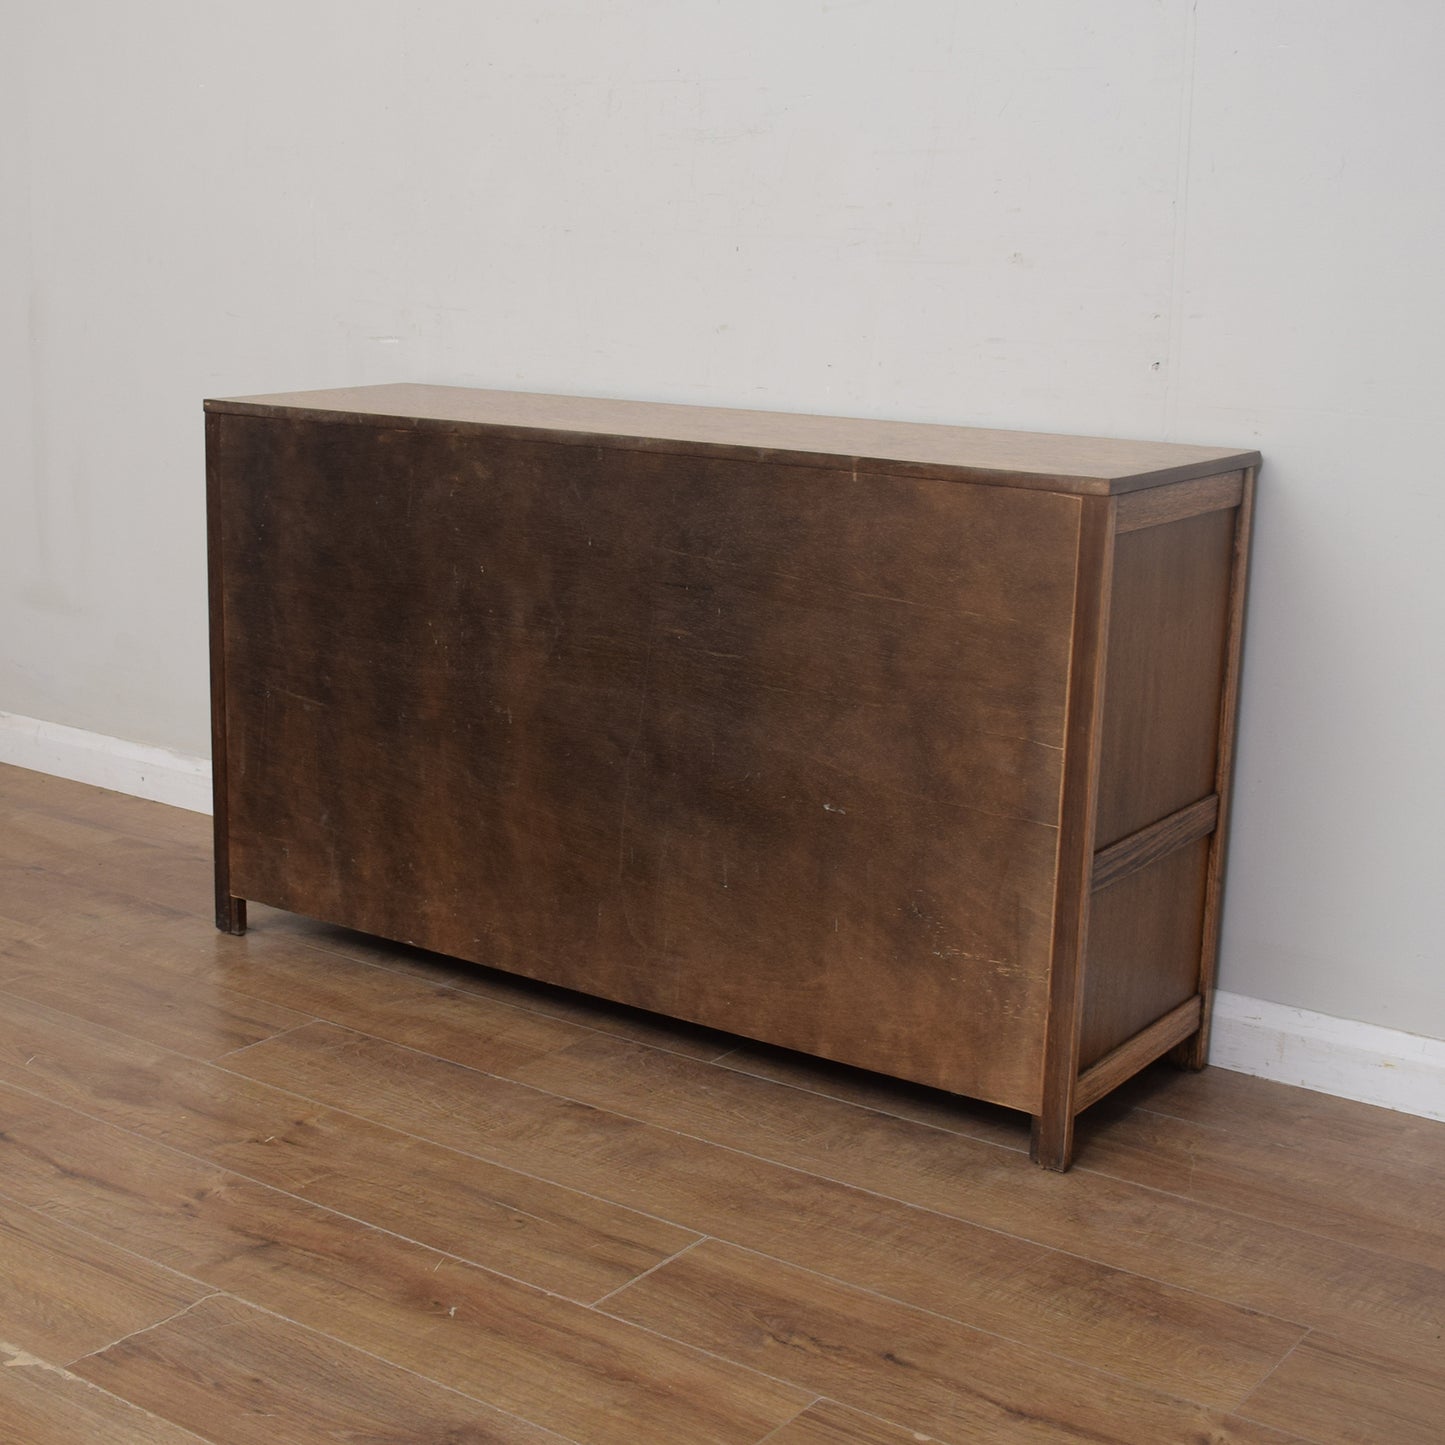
(85, 757)
(1273, 1041)
(1343, 1057)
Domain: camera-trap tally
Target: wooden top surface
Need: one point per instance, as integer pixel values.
(1040, 460)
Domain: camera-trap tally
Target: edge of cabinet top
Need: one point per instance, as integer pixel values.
(1040, 460)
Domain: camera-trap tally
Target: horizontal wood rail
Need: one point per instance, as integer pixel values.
(1155, 506)
(1156, 841)
(1132, 1055)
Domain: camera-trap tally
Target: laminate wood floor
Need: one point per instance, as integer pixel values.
(308, 1186)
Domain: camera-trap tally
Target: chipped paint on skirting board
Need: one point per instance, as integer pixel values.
(1344, 1057)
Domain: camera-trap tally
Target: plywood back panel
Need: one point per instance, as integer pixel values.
(774, 748)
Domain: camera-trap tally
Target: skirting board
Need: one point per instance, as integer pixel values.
(1343, 1057)
(1351, 1060)
(144, 772)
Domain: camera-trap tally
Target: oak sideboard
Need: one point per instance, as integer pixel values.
(907, 746)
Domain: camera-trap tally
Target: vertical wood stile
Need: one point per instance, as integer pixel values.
(230, 911)
(1193, 1053)
(1052, 1144)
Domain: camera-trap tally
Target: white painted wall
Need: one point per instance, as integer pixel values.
(1217, 221)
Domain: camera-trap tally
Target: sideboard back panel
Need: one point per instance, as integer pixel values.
(904, 745)
(777, 748)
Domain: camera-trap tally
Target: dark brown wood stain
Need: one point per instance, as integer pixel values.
(807, 730)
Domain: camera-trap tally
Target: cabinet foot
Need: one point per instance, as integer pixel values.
(1052, 1141)
(231, 914)
(1192, 1054)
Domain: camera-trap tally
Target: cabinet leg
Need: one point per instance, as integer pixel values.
(1052, 1141)
(1193, 1053)
(230, 914)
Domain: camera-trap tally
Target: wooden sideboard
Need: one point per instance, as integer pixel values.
(906, 746)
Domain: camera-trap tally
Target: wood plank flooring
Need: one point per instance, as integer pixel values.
(307, 1185)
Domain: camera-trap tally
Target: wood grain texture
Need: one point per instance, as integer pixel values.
(1057, 463)
(1157, 841)
(1052, 1142)
(961, 1384)
(1340, 1395)
(1342, 1132)
(1143, 1048)
(1313, 1212)
(1142, 959)
(1158, 1336)
(1165, 674)
(1218, 1252)
(1398, 1209)
(230, 1372)
(1159, 505)
(1195, 1053)
(578, 1246)
(639, 724)
(63, 1295)
(827, 1423)
(512, 990)
(42, 1404)
(203, 1019)
(110, 866)
(493, 1338)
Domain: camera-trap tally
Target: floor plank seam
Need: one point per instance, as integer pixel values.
(688, 1345)
(350, 1348)
(942, 1129)
(461, 987)
(628, 1283)
(32, 1361)
(124, 860)
(660, 1219)
(1302, 1230)
(793, 1168)
(788, 1424)
(331, 1108)
(1278, 1366)
(146, 1329)
(17, 1357)
(88, 1233)
(1292, 1434)
(423, 1139)
(562, 1098)
(237, 1174)
(1305, 1332)
(1076, 1362)
(269, 1039)
(234, 1294)
(635, 1119)
(458, 987)
(922, 1209)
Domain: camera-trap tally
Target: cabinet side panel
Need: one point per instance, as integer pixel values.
(1164, 682)
(774, 749)
(1143, 954)
(1165, 671)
